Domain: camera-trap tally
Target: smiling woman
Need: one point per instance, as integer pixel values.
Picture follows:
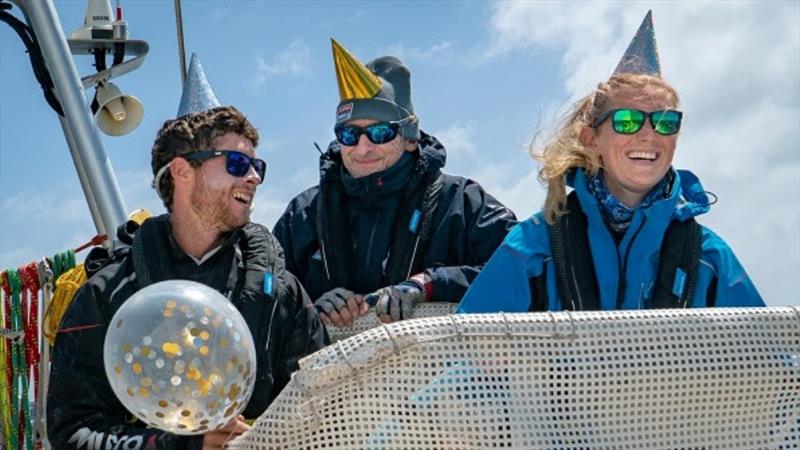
(625, 237)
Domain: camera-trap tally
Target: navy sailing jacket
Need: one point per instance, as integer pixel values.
(375, 231)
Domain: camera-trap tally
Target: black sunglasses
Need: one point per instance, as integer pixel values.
(377, 133)
(236, 163)
(630, 121)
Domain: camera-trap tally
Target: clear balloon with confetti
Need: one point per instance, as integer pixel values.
(180, 357)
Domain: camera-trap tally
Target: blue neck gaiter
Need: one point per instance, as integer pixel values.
(616, 214)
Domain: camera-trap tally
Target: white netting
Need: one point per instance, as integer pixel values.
(666, 379)
(370, 320)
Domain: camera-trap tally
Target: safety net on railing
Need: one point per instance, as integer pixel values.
(667, 379)
(370, 320)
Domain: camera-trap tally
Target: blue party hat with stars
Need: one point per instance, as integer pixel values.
(197, 93)
(641, 57)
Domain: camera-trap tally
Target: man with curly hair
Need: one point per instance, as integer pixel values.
(206, 172)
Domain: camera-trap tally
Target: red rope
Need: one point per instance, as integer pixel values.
(95, 241)
(30, 281)
(6, 287)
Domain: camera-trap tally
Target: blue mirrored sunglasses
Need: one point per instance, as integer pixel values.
(377, 133)
(236, 163)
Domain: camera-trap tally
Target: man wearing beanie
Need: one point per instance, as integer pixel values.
(206, 172)
(385, 228)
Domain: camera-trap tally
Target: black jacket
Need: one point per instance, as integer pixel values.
(369, 233)
(82, 410)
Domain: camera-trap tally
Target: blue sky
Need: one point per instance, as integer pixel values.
(487, 77)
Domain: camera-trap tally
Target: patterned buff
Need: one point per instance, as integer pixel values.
(615, 213)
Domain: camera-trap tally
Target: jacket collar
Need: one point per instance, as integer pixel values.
(686, 197)
(383, 183)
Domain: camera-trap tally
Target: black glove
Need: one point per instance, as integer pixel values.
(340, 307)
(397, 302)
(333, 300)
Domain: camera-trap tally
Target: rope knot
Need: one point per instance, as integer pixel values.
(30, 277)
(4, 283)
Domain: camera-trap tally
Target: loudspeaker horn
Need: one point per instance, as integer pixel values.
(117, 114)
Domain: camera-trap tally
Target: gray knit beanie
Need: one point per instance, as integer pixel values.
(392, 103)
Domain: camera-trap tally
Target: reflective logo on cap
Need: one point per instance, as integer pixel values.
(344, 112)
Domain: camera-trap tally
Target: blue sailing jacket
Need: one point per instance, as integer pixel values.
(503, 284)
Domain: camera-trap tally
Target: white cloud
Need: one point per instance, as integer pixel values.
(458, 140)
(436, 53)
(512, 181)
(220, 13)
(27, 214)
(357, 16)
(736, 66)
(293, 61)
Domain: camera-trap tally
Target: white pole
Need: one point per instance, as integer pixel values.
(97, 176)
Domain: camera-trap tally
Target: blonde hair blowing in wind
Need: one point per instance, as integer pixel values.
(566, 152)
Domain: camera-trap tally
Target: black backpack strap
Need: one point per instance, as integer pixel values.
(572, 259)
(333, 233)
(679, 264)
(538, 287)
(261, 264)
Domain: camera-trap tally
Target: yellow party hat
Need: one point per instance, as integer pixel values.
(355, 80)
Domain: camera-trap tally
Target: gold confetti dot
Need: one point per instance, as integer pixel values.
(234, 392)
(171, 349)
(186, 413)
(163, 403)
(137, 368)
(130, 392)
(184, 308)
(193, 374)
(145, 351)
(171, 304)
(146, 382)
(126, 348)
(159, 414)
(143, 392)
(204, 335)
(117, 369)
(203, 350)
(194, 332)
(204, 386)
(231, 409)
(223, 343)
(167, 313)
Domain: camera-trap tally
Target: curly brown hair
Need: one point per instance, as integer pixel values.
(191, 133)
(566, 152)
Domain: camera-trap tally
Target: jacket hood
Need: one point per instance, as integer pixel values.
(693, 199)
(432, 156)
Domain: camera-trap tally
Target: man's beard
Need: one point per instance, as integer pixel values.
(212, 206)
